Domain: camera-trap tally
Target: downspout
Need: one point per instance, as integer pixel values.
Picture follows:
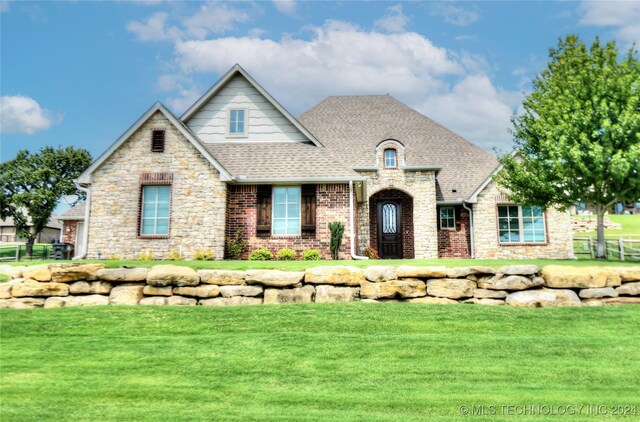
(471, 246)
(351, 223)
(85, 229)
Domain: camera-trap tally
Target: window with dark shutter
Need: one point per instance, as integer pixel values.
(263, 214)
(157, 141)
(308, 210)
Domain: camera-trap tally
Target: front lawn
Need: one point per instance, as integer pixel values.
(354, 361)
(630, 227)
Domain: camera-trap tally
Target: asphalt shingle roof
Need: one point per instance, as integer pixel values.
(75, 212)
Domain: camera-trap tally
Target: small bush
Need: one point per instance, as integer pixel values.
(236, 246)
(286, 254)
(337, 230)
(262, 254)
(311, 255)
(115, 257)
(371, 253)
(145, 256)
(174, 255)
(205, 254)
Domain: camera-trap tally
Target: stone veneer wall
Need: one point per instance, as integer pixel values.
(332, 204)
(485, 230)
(61, 285)
(455, 243)
(197, 197)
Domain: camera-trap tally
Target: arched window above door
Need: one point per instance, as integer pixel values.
(390, 158)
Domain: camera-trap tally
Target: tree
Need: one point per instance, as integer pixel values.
(32, 184)
(578, 139)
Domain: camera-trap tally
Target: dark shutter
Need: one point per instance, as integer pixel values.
(263, 214)
(157, 141)
(308, 209)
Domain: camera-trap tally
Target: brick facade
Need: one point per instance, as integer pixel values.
(455, 243)
(332, 204)
(407, 219)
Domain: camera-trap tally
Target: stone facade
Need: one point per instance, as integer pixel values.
(332, 204)
(455, 243)
(485, 230)
(197, 215)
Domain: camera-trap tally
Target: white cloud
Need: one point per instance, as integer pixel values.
(394, 20)
(153, 29)
(20, 114)
(622, 16)
(454, 14)
(214, 18)
(285, 6)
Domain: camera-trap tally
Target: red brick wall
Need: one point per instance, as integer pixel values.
(69, 230)
(332, 204)
(455, 243)
(407, 219)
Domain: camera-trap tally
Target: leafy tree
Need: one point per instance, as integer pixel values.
(32, 184)
(578, 139)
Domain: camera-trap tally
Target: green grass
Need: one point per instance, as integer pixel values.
(40, 250)
(312, 362)
(630, 227)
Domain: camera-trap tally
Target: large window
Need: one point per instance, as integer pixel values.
(447, 218)
(390, 158)
(521, 224)
(286, 210)
(154, 219)
(237, 122)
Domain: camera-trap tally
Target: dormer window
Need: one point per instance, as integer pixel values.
(157, 141)
(237, 122)
(390, 158)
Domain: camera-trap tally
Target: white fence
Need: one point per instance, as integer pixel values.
(619, 249)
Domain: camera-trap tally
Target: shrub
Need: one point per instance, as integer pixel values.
(262, 254)
(115, 257)
(337, 230)
(286, 254)
(205, 254)
(311, 255)
(371, 253)
(145, 256)
(236, 246)
(174, 255)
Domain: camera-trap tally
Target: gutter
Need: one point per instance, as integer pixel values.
(351, 224)
(85, 229)
(471, 245)
(255, 181)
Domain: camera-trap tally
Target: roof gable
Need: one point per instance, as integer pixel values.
(267, 119)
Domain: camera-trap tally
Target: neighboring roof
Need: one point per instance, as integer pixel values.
(85, 177)
(75, 213)
(53, 223)
(351, 127)
(235, 70)
(280, 162)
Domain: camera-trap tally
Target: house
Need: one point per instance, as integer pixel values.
(50, 233)
(73, 226)
(238, 160)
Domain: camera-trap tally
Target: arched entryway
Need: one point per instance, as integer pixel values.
(391, 224)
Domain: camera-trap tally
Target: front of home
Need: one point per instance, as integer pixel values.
(237, 160)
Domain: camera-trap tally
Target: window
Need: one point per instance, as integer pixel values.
(157, 141)
(447, 218)
(521, 224)
(286, 210)
(154, 219)
(390, 160)
(237, 122)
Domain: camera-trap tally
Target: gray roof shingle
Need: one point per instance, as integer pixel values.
(74, 213)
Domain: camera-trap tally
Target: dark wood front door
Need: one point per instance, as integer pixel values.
(389, 229)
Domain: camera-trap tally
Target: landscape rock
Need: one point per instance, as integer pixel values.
(126, 294)
(326, 293)
(434, 301)
(598, 292)
(172, 275)
(222, 277)
(519, 270)
(629, 273)
(157, 291)
(37, 272)
(463, 272)
(69, 301)
(486, 301)
(231, 301)
(630, 289)
(404, 288)
(181, 301)
(66, 273)
(297, 295)
(543, 298)
(566, 297)
(510, 282)
(5, 288)
(559, 276)
(621, 300)
(453, 288)
(90, 287)
(209, 290)
(153, 300)
(489, 294)
(593, 302)
(36, 289)
(25, 303)
(344, 275)
(12, 271)
(231, 291)
(56, 301)
(378, 273)
(122, 275)
(274, 278)
(421, 272)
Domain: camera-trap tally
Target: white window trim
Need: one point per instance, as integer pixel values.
(273, 212)
(155, 218)
(521, 226)
(454, 218)
(246, 122)
(395, 158)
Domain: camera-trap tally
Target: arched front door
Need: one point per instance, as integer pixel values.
(389, 229)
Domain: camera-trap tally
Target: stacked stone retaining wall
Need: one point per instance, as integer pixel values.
(51, 286)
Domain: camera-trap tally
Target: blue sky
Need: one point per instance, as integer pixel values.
(80, 73)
